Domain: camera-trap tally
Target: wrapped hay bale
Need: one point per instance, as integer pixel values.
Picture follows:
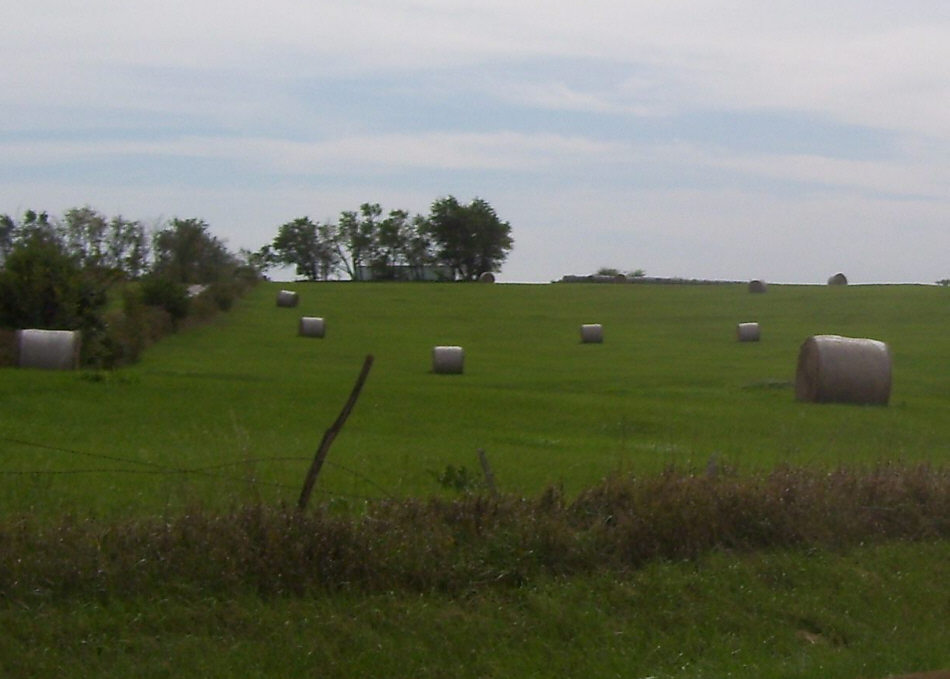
(448, 360)
(49, 349)
(838, 279)
(592, 333)
(486, 277)
(835, 369)
(748, 332)
(758, 286)
(312, 326)
(287, 298)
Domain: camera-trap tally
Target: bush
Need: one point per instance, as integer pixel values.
(41, 286)
(158, 291)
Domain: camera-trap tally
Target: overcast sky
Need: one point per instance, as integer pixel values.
(783, 140)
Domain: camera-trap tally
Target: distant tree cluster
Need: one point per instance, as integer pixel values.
(610, 271)
(464, 240)
(57, 273)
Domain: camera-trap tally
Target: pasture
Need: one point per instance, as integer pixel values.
(234, 410)
(142, 532)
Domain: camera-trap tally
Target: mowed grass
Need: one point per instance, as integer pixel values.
(233, 411)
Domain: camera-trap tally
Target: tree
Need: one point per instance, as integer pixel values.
(306, 245)
(186, 253)
(43, 286)
(128, 247)
(8, 230)
(86, 233)
(355, 238)
(394, 242)
(469, 238)
(419, 250)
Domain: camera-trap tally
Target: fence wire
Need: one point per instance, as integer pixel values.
(157, 469)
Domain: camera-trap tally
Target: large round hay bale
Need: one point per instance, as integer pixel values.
(49, 349)
(835, 369)
(448, 360)
(838, 279)
(312, 326)
(287, 298)
(758, 286)
(748, 332)
(592, 333)
(486, 277)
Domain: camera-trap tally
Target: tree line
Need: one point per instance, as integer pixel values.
(63, 272)
(454, 241)
(59, 273)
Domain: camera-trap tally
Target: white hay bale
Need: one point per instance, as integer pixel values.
(835, 369)
(838, 279)
(748, 332)
(49, 349)
(287, 298)
(312, 326)
(592, 333)
(448, 360)
(758, 286)
(486, 277)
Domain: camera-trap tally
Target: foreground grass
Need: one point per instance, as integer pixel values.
(787, 574)
(865, 612)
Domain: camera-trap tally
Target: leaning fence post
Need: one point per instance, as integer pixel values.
(331, 433)
(486, 469)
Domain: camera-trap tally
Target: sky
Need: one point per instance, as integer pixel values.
(782, 140)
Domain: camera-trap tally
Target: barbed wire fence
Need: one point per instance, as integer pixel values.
(135, 466)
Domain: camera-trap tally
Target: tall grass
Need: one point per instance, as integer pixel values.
(473, 542)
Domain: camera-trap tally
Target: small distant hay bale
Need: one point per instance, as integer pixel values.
(312, 326)
(835, 369)
(448, 360)
(288, 298)
(838, 279)
(758, 286)
(49, 349)
(748, 332)
(486, 277)
(592, 333)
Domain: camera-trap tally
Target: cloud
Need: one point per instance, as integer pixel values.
(664, 129)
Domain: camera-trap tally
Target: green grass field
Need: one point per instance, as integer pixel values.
(229, 414)
(246, 398)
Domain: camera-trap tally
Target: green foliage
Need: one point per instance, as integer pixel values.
(306, 245)
(167, 294)
(186, 252)
(459, 479)
(470, 238)
(42, 286)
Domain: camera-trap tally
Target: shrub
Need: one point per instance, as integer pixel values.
(158, 291)
(42, 286)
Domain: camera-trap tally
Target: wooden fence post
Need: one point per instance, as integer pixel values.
(330, 434)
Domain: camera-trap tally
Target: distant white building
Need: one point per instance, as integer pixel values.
(404, 272)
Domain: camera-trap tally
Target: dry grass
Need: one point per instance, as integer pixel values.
(473, 541)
